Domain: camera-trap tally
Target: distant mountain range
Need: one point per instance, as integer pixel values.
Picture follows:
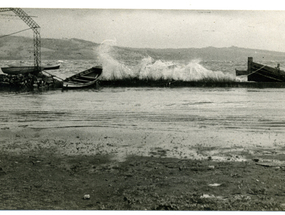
(21, 48)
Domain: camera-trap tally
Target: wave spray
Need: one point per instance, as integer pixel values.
(150, 69)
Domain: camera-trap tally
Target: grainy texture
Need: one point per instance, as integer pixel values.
(42, 172)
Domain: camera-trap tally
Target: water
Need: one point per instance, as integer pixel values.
(225, 117)
(145, 68)
(147, 108)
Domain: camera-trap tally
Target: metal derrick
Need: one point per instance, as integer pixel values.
(36, 37)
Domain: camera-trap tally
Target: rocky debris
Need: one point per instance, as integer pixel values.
(139, 183)
(166, 207)
(86, 197)
(214, 185)
(31, 80)
(207, 196)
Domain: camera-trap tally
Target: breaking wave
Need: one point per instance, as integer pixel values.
(150, 69)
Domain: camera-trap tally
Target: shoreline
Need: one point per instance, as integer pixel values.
(124, 169)
(5, 86)
(191, 143)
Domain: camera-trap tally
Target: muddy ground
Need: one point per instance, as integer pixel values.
(40, 170)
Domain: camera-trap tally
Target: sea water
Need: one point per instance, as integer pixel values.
(243, 109)
(147, 108)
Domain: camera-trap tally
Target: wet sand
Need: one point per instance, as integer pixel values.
(129, 169)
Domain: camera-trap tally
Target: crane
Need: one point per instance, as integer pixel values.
(36, 29)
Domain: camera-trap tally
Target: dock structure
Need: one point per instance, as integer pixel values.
(28, 76)
(36, 30)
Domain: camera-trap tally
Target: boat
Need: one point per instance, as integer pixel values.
(83, 79)
(51, 67)
(262, 73)
(17, 70)
(20, 70)
(241, 72)
(46, 67)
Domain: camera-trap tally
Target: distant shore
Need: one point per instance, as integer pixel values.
(76, 49)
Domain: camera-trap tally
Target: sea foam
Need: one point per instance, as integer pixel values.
(150, 69)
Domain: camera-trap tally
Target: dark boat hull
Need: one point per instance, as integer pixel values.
(20, 70)
(263, 73)
(17, 69)
(241, 72)
(51, 67)
(83, 79)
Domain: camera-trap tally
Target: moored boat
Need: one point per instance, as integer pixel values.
(51, 67)
(46, 67)
(262, 73)
(20, 70)
(241, 72)
(83, 79)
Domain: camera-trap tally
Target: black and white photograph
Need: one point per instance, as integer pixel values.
(124, 108)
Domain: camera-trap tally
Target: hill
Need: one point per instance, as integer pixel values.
(21, 48)
(16, 48)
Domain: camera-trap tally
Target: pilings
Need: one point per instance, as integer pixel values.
(249, 65)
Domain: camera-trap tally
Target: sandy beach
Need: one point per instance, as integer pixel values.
(95, 168)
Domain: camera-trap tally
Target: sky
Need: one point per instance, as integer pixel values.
(188, 25)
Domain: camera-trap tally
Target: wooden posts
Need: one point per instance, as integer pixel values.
(249, 65)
